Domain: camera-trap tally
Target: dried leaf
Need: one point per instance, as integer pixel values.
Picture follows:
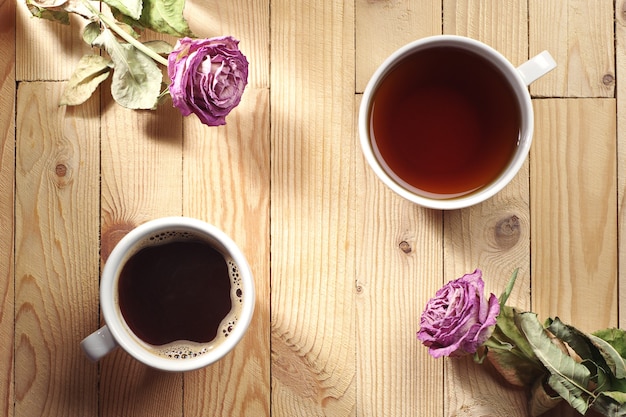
(567, 377)
(57, 10)
(130, 8)
(540, 400)
(52, 14)
(510, 353)
(611, 404)
(579, 341)
(137, 79)
(612, 345)
(91, 32)
(160, 47)
(516, 370)
(508, 330)
(165, 16)
(90, 72)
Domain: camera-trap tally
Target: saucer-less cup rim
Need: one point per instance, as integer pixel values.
(517, 83)
(112, 315)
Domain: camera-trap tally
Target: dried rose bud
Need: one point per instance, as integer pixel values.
(459, 318)
(208, 77)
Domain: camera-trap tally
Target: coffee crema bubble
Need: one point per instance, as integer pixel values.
(180, 351)
(180, 348)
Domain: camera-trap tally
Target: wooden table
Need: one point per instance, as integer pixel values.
(343, 267)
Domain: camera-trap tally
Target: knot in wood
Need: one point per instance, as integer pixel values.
(61, 170)
(608, 79)
(405, 247)
(508, 232)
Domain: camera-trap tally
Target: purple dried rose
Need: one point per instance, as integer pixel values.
(458, 319)
(208, 77)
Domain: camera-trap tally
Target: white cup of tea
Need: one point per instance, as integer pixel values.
(447, 121)
(176, 293)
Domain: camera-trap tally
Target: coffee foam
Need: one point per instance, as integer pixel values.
(184, 349)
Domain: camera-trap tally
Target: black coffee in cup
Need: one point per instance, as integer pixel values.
(179, 295)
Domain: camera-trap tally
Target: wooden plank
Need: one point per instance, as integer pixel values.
(573, 166)
(141, 165)
(620, 45)
(56, 261)
(571, 31)
(492, 236)
(384, 26)
(574, 250)
(226, 183)
(398, 259)
(246, 20)
(7, 181)
(500, 24)
(399, 265)
(47, 50)
(312, 210)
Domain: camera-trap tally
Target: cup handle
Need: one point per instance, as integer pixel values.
(98, 344)
(536, 67)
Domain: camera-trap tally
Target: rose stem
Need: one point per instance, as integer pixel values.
(126, 36)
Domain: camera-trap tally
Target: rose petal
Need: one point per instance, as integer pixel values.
(208, 77)
(458, 319)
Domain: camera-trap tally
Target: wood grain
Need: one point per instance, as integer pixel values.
(246, 20)
(573, 165)
(500, 24)
(56, 263)
(399, 257)
(399, 267)
(47, 50)
(351, 265)
(568, 30)
(7, 190)
(141, 176)
(383, 26)
(313, 222)
(493, 236)
(226, 183)
(620, 47)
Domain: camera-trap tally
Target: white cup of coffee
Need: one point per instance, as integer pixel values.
(447, 121)
(176, 293)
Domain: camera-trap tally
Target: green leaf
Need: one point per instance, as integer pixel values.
(616, 337)
(91, 71)
(137, 79)
(507, 329)
(567, 377)
(613, 358)
(130, 8)
(509, 287)
(165, 16)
